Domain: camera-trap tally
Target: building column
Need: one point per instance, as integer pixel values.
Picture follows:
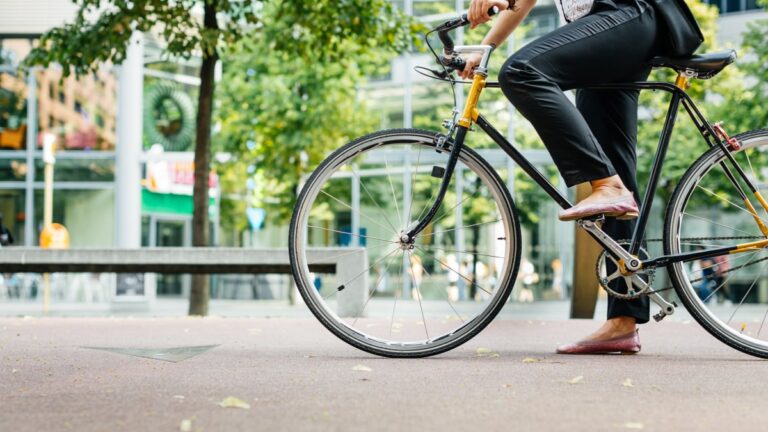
(130, 105)
(129, 145)
(29, 186)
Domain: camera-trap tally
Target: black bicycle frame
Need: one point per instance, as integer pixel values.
(678, 97)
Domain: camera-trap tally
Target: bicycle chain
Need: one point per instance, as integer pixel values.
(651, 272)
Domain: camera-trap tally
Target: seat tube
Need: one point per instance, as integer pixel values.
(658, 162)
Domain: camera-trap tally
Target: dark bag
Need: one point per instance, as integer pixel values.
(683, 33)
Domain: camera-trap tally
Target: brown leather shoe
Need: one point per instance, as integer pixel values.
(623, 208)
(627, 344)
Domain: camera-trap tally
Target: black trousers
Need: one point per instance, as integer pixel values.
(597, 137)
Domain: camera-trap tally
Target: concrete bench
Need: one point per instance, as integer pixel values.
(345, 262)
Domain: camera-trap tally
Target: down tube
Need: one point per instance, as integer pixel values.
(518, 157)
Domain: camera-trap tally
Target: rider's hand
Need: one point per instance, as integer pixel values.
(478, 10)
(471, 60)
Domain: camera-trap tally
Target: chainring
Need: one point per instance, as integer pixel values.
(634, 289)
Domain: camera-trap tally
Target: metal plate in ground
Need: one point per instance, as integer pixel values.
(174, 354)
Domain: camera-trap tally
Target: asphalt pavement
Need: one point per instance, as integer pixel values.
(221, 374)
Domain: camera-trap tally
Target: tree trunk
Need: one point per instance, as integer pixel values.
(198, 298)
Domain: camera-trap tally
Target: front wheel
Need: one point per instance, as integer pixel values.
(727, 295)
(395, 298)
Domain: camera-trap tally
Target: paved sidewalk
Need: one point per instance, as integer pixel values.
(297, 376)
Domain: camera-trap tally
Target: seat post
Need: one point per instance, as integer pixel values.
(683, 80)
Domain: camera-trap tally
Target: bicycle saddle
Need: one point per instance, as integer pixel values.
(702, 65)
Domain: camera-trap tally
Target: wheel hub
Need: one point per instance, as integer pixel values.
(405, 242)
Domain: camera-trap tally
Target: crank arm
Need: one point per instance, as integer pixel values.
(615, 249)
(667, 308)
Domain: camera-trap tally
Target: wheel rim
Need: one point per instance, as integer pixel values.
(434, 315)
(728, 295)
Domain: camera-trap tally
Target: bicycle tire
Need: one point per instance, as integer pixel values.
(337, 328)
(677, 271)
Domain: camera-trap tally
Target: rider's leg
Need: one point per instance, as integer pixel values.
(610, 45)
(612, 117)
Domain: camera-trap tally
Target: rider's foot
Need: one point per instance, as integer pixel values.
(615, 335)
(609, 197)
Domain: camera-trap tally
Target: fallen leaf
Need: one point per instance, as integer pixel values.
(485, 352)
(578, 380)
(362, 368)
(531, 360)
(233, 402)
(185, 425)
(631, 425)
(627, 383)
(656, 387)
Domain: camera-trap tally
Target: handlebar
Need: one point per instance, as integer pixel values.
(444, 28)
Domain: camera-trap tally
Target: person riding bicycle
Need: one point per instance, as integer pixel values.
(604, 41)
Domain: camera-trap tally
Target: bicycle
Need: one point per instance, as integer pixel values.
(438, 294)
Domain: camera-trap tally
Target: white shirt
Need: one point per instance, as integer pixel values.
(571, 10)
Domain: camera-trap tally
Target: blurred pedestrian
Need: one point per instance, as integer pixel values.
(6, 238)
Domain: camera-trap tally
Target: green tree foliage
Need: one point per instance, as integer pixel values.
(282, 113)
(308, 29)
(749, 110)
(735, 96)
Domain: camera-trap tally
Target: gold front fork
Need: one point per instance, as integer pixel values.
(470, 108)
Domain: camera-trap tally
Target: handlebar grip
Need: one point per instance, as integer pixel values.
(447, 26)
(491, 12)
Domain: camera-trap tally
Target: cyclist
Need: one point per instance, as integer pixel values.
(603, 41)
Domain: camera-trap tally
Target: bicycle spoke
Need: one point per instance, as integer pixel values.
(421, 308)
(739, 256)
(343, 285)
(762, 323)
(359, 212)
(392, 320)
(394, 197)
(730, 202)
(451, 269)
(335, 257)
(468, 196)
(427, 204)
(747, 293)
(466, 252)
(757, 178)
(383, 213)
(448, 299)
(716, 223)
(701, 244)
(413, 186)
(730, 275)
(355, 235)
(373, 289)
(464, 227)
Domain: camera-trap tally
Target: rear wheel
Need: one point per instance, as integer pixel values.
(727, 295)
(400, 299)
